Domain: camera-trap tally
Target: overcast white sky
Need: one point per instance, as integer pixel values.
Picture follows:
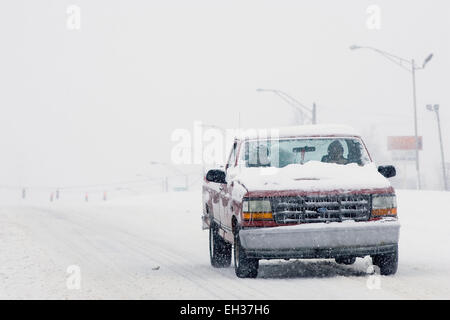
(97, 104)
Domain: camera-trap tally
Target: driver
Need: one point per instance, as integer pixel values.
(335, 153)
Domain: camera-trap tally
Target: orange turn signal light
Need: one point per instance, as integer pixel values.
(384, 212)
(257, 215)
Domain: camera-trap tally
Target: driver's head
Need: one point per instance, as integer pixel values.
(335, 149)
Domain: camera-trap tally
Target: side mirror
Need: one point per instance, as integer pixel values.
(387, 171)
(217, 176)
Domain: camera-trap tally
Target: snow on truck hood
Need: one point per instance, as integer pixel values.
(312, 176)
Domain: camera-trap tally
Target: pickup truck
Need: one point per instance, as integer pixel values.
(308, 192)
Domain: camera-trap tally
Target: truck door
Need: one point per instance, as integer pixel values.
(214, 190)
(225, 195)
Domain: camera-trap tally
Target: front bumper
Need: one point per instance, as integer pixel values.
(321, 240)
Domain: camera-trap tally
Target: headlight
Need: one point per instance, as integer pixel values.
(257, 210)
(384, 205)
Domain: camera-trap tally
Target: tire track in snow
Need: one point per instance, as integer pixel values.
(170, 262)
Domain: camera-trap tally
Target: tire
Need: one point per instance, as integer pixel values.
(345, 260)
(219, 250)
(388, 262)
(244, 267)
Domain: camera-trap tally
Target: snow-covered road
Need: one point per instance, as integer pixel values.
(152, 247)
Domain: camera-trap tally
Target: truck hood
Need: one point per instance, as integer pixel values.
(313, 176)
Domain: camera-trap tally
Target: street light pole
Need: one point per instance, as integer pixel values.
(442, 150)
(297, 105)
(401, 62)
(314, 113)
(413, 71)
(435, 108)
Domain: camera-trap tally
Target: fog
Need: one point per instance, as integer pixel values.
(99, 103)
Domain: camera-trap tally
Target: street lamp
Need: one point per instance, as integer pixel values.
(297, 105)
(435, 108)
(411, 67)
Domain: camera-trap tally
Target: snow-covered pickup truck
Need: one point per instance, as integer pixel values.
(303, 193)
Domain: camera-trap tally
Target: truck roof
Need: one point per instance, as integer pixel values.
(296, 131)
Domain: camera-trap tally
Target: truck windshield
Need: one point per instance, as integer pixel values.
(280, 153)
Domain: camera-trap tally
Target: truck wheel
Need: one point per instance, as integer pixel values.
(219, 250)
(387, 262)
(243, 266)
(345, 260)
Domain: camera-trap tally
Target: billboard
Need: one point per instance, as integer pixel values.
(403, 143)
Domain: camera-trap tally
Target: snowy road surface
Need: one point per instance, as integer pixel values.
(152, 247)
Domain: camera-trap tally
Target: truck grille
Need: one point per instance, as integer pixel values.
(321, 208)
